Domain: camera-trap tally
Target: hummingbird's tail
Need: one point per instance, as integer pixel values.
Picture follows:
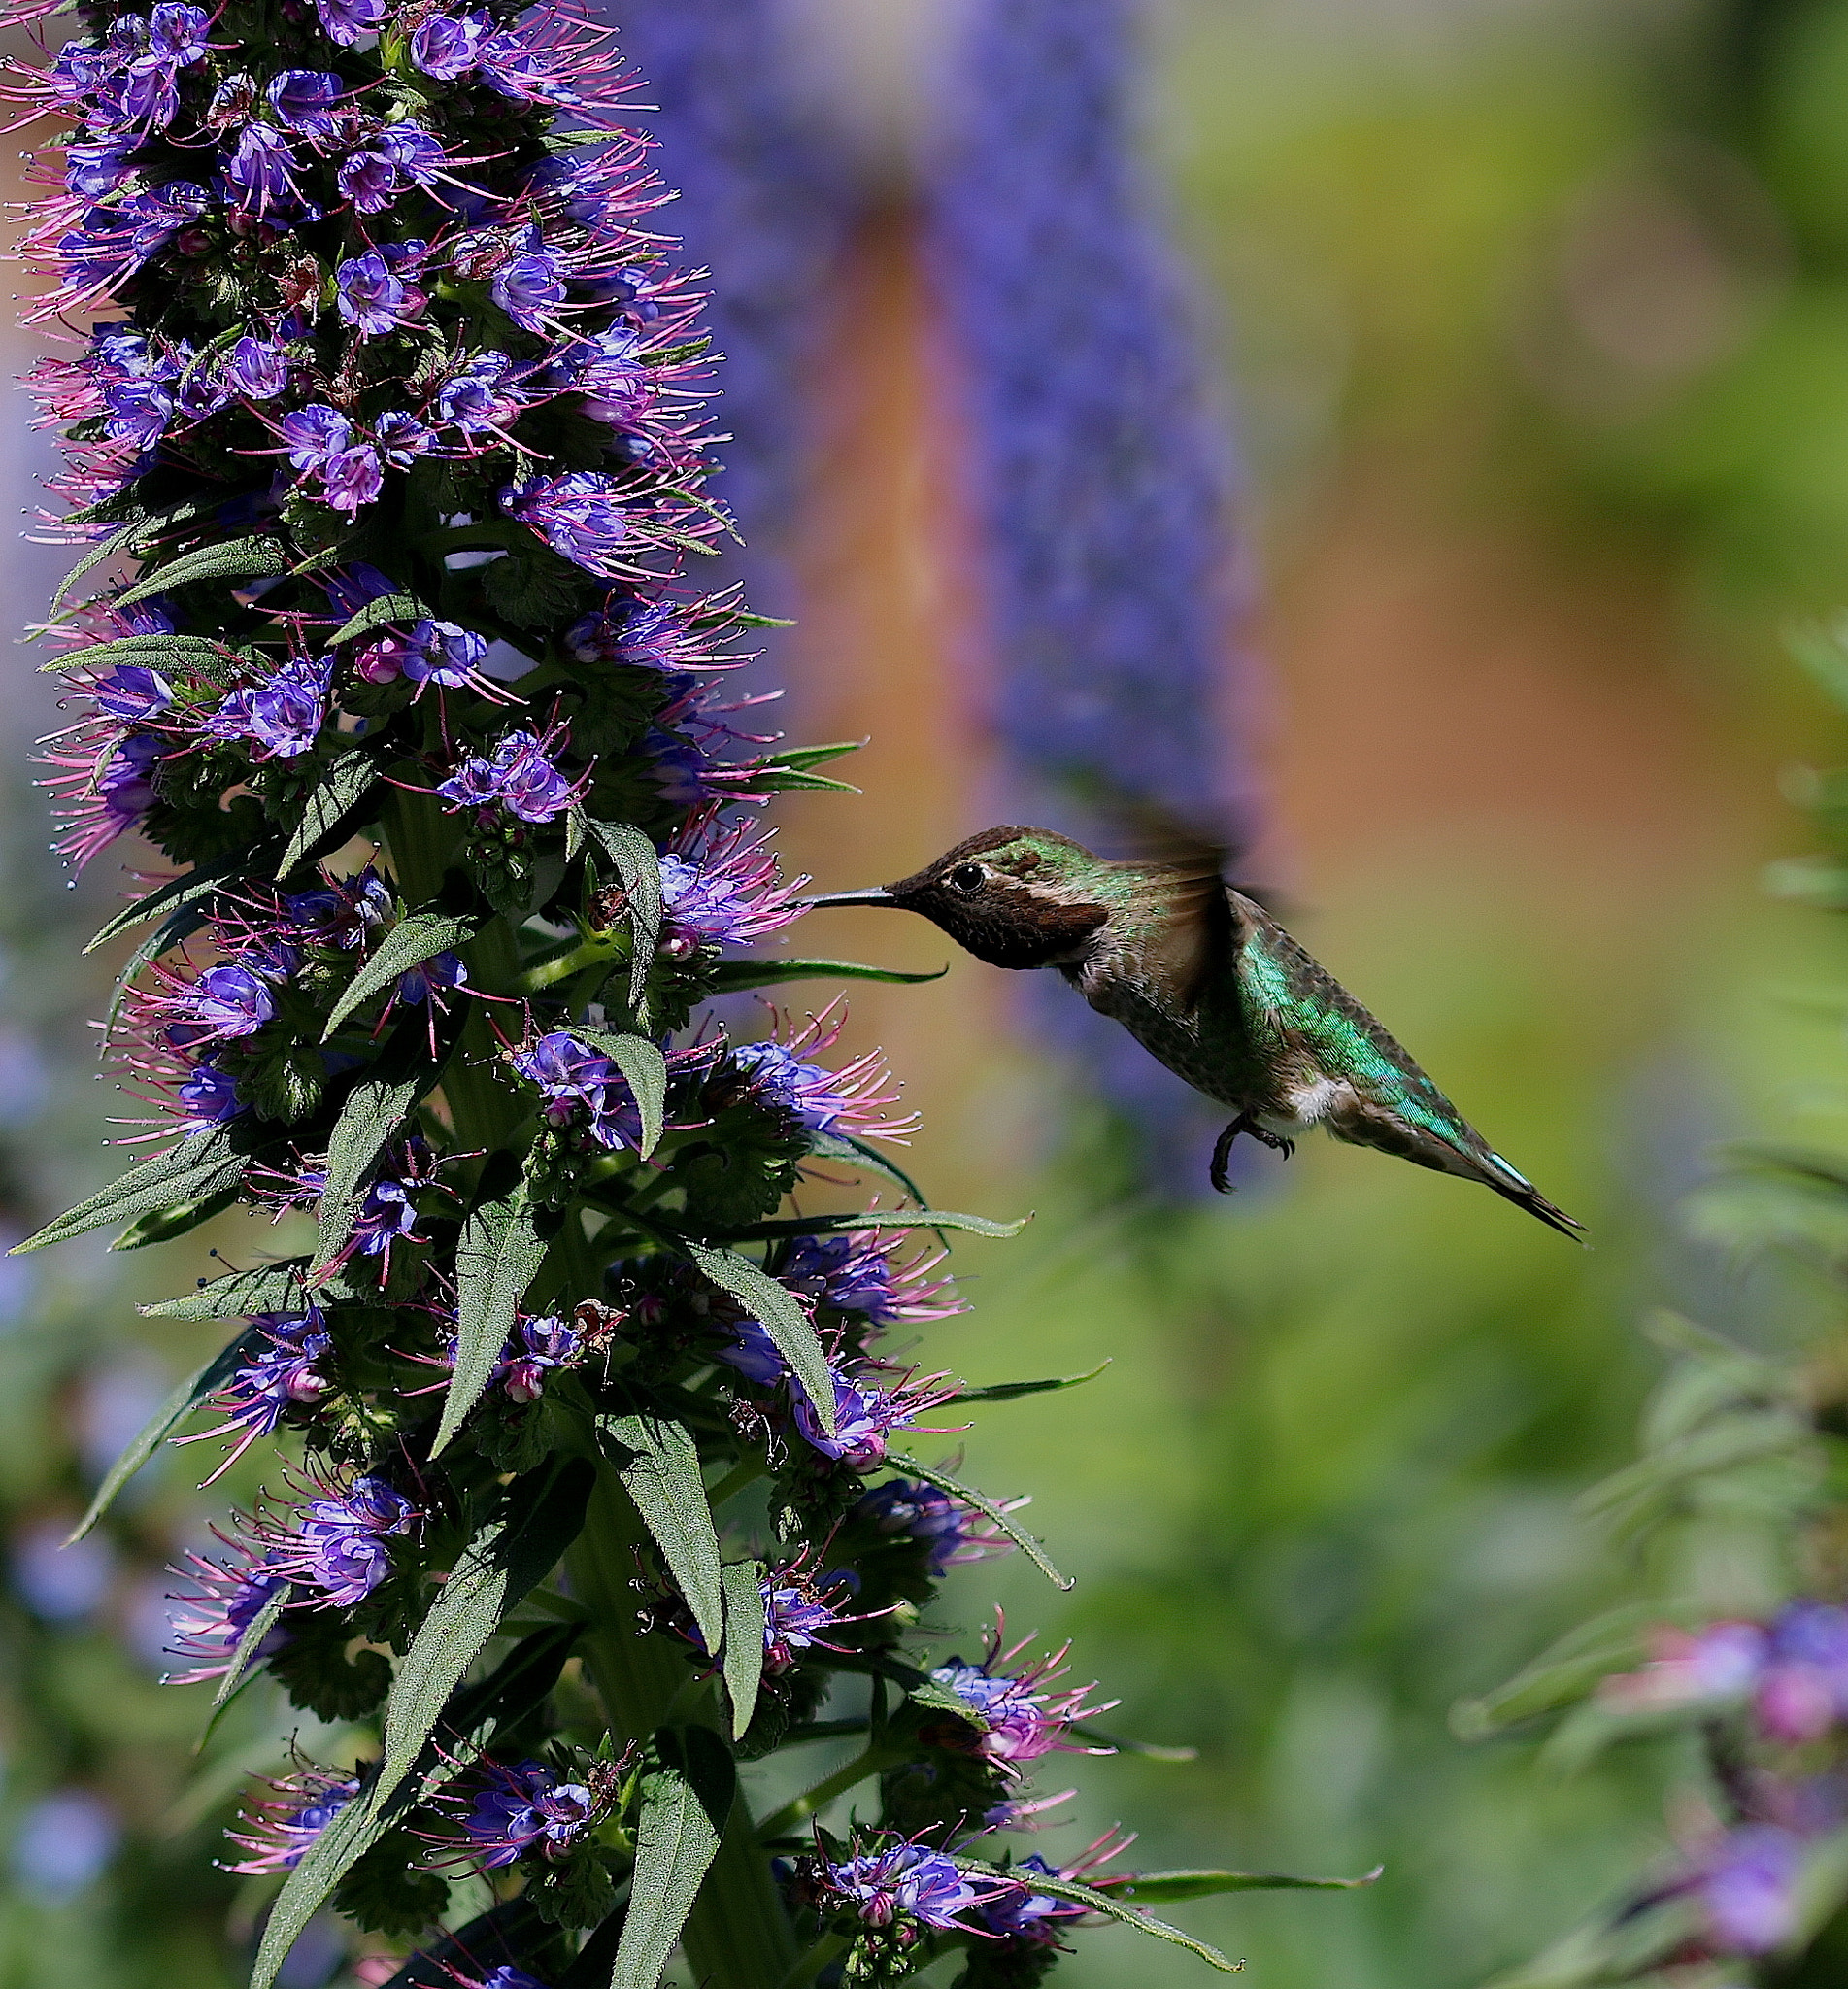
(1516, 1188)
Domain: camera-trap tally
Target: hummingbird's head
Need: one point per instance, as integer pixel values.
(1015, 897)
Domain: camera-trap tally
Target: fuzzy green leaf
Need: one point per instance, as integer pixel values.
(1111, 1908)
(774, 1307)
(854, 1152)
(1168, 1886)
(505, 1559)
(250, 1643)
(1013, 1390)
(347, 782)
(354, 1831)
(193, 654)
(252, 558)
(377, 614)
(878, 1219)
(271, 1287)
(734, 976)
(178, 894)
(373, 1110)
(176, 1219)
(684, 1803)
(646, 1070)
(639, 866)
(121, 541)
(413, 941)
(185, 1398)
(203, 1164)
(658, 1463)
(741, 1582)
(988, 1511)
(496, 1258)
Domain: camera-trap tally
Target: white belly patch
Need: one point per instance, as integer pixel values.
(1312, 1103)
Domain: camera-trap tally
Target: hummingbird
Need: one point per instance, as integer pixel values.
(1210, 984)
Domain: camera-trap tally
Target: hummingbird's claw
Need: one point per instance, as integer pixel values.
(1223, 1147)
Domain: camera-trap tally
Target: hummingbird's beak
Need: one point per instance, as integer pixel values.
(879, 895)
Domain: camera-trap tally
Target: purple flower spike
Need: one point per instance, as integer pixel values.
(903, 1881)
(524, 1808)
(280, 1829)
(281, 716)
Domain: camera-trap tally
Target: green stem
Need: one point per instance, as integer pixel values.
(738, 1937)
(825, 1792)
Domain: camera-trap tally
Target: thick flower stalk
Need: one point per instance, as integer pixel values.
(383, 407)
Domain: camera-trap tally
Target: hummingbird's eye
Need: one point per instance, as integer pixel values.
(969, 876)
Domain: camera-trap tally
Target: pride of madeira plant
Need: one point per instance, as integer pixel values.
(387, 425)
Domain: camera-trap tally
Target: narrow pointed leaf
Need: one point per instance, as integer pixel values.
(859, 1153)
(193, 654)
(734, 976)
(252, 558)
(248, 1645)
(354, 1831)
(377, 614)
(1102, 1903)
(1012, 1391)
(186, 1397)
(642, 1063)
(176, 1219)
(413, 941)
(774, 1307)
(638, 864)
(497, 1567)
(271, 1287)
(1168, 1886)
(497, 1257)
(121, 541)
(676, 1840)
(988, 1511)
(741, 1582)
(347, 780)
(658, 1463)
(200, 1166)
(175, 894)
(877, 1219)
(375, 1109)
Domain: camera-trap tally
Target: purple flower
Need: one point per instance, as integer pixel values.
(1022, 1914)
(525, 1807)
(754, 1353)
(864, 1416)
(1802, 1690)
(337, 1545)
(93, 171)
(281, 716)
(371, 298)
(536, 1348)
(1748, 1888)
(809, 1095)
(262, 169)
(417, 152)
(629, 631)
(1016, 1716)
(256, 369)
(353, 478)
(942, 1524)
(348, 21)
(579, 514)
(527, 287)
(402, 438)
(279, 1377)
(280, 1829)
(222, 1601)
(208, 1096)
(440, 970)
(483, 396)
(520, 778)
(224, 1003)
(903, 1881)
(132, 692)
(581, 1086)
(314, 434)
(446, 47)
(177, 34)
(303, 100)
(443, 653)
(855, 1273)
(795, 1613)
(722, 889)
(369, 181)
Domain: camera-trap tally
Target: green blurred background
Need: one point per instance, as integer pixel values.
(1535, 316)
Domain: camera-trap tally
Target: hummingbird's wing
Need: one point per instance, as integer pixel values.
(1336, 1066)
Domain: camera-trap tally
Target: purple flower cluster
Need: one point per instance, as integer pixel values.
(809, 1096)
(521, 777)
(219, 1603)
(279, 1831)
(1793, 1671)
(277, 1378)
(904, 1882)
(855, 1273)
(527, 1806)
(336, 1546)
(580, 1088)
(721, 887)
(1018, 1716)
(952, 1531)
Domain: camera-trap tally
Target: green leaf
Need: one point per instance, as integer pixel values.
(413, 941)
(177, 1219)
(505, 1559)
(684, 1803)
(496, 1258)
(855, 1152)
(373, 1110)
(658, 1463)
(252, 559)
(1823, 652)
(734, 976)
(175, 895)
(354, 1831)
(742, 1581)
(185, 1398)
(1098, 1901)
(878, 1219)
(122, 540)
(1565, 1670)
(1012, 1391)
(193, 654)
(1166, 1886)
(638, 864)
(988, 1511)
(250, 1643)
(646, 1069)
(1144, 1750)
(202, 1164)
(377, 614)
(802, 756)
(347, 782)
(271, 1287)
(1611, 1952)
(774, 1307)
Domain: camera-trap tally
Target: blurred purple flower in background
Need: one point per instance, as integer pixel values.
(64, 1842)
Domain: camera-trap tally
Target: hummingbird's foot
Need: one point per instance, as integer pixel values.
(1223, 1148)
